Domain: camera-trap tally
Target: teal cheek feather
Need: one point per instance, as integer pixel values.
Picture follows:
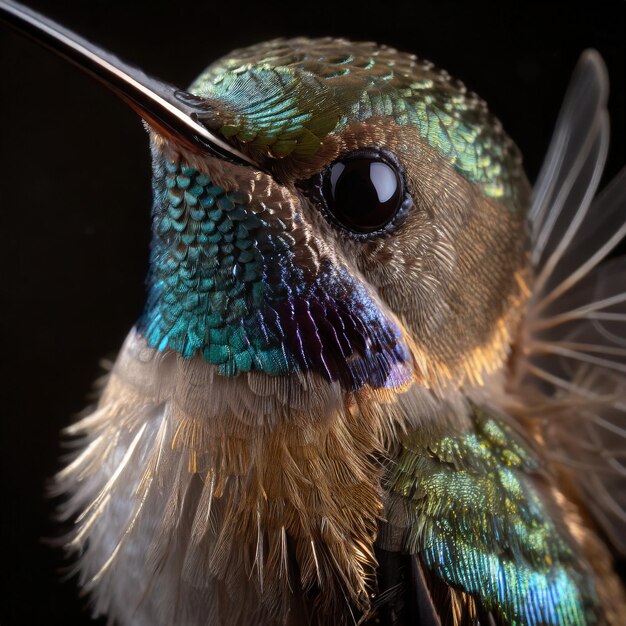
(206, 281)
(224, 284)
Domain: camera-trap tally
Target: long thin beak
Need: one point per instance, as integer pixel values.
(163, 106)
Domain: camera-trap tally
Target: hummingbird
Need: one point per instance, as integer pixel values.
(378, 377)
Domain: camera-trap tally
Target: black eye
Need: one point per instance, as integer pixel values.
(364, 192)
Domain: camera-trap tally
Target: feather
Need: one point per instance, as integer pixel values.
(573, 358)
(474, 509)
(404, 597)
(194, 492)
(571, 155)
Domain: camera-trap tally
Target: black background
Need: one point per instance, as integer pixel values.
(75, 196)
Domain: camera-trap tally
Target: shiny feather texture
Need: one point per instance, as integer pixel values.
(421, 428)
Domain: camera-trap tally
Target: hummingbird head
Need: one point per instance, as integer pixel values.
(376, 236)
(325, 207)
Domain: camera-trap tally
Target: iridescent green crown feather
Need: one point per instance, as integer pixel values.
(285, 97)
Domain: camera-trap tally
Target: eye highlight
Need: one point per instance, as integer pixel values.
(364, 193)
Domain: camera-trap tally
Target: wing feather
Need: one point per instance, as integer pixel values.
(573, 358)
(579, 124)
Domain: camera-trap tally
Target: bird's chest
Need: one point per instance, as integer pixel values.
(225, 504)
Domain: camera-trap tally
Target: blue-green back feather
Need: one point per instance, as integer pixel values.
(480, 524)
